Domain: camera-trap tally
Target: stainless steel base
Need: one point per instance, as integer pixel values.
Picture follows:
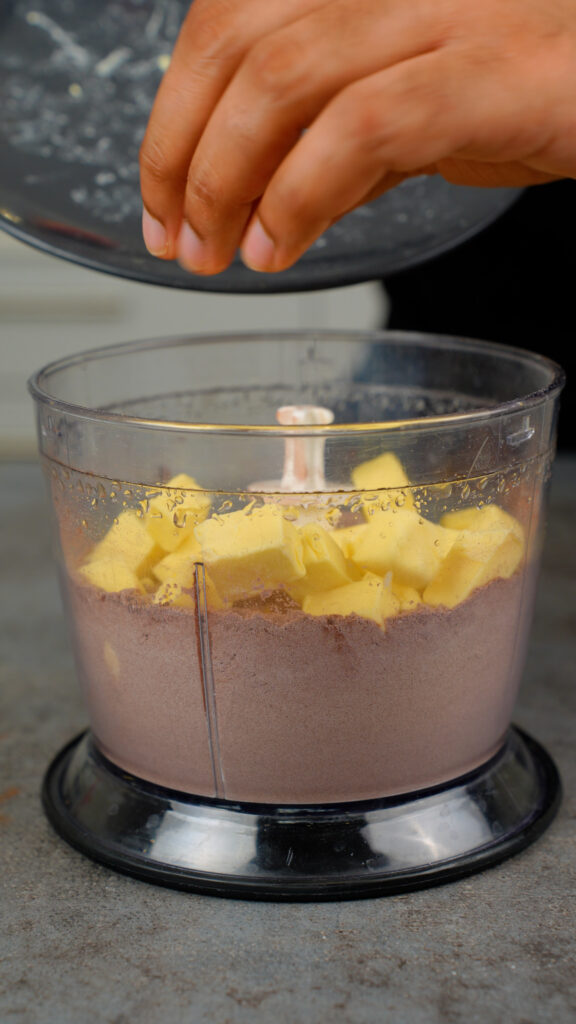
(341, 851)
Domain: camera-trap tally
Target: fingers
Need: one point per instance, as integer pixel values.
(477, 173)
(377, 132)
(435, 112)
(277, 117)
(213, 40)
(277, 92)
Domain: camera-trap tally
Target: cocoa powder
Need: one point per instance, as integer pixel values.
(307, 709)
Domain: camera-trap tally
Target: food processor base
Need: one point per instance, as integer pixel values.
(337, 851)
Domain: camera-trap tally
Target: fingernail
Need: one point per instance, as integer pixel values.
(155, 235)
(257, 248)
(191, 250)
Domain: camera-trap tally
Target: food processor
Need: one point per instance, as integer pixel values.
(299, 572)
(298, 569)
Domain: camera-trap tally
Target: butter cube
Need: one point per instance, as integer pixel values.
(213, 599)
(385, 470)
(326, 567)
(172, 595)
(177, 570)
(486, 518)
(408, 597)
(386, 479)
(128, 543)
(402, 542)
(110, 576)
(389, 604)
(347, 537)
(368, 597)
(250, 552)
(476, 558)
(178, 566)
(174, 512)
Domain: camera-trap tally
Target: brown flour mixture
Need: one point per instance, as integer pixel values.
(308, 710)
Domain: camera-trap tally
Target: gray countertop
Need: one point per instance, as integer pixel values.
(80, 943)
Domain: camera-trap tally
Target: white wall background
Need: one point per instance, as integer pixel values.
(50, 309)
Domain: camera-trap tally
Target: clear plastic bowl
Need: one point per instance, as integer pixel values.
(312, 613)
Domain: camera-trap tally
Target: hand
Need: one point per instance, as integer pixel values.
(277, 117)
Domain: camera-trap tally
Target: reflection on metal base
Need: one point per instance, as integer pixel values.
(341, 851)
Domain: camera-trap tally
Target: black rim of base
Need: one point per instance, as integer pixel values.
(315, 890)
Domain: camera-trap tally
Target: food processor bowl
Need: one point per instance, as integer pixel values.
(299, 572)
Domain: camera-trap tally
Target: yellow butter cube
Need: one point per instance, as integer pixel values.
(178, 566)
(326, 566)
(172, 514)
(486, 518)
(368, 597)
(128, 543)
(390, 604)
(250, 552)
(111, 576)
(213, 599)
(385, 478)
(172, 595)
(182, 481)
(178, 569)
(402, 542)
(476, 558)
(347, 537)
(385, 470)
(408, 597)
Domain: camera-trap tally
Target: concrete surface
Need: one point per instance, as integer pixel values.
(79, 943)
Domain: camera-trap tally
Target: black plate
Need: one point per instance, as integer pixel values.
(77, 82)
